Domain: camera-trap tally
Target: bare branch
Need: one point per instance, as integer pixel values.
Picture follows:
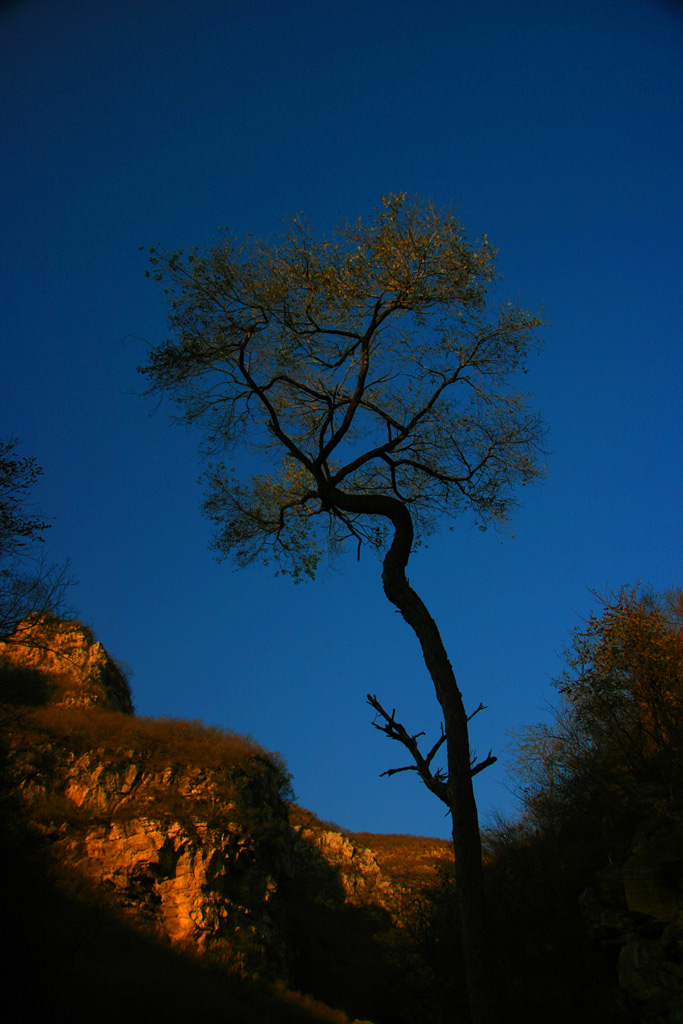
(489, 760)
(395, 771)
(437, 746)
(482, 707)
(434, 781)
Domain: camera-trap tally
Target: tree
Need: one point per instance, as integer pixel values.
(369, 374)
(29, 584)
(623, 686)
(618, 726)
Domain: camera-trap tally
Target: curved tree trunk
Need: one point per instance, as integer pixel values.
(466, 840)
(480, 977)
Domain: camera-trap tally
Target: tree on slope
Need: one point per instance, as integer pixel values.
(369, 375)
(616, 735)
(623, 684)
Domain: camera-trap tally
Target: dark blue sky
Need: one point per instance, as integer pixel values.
(555, 128)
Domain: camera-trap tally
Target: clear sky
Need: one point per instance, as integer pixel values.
(555, 128)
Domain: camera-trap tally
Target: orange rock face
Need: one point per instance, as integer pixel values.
(76, 667)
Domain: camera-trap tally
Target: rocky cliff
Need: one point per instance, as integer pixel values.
(184, 833)
(60, 662)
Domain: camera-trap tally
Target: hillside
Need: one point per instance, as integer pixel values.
(160, 864)
(159, 869)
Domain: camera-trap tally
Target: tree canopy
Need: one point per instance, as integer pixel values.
(369, 362)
